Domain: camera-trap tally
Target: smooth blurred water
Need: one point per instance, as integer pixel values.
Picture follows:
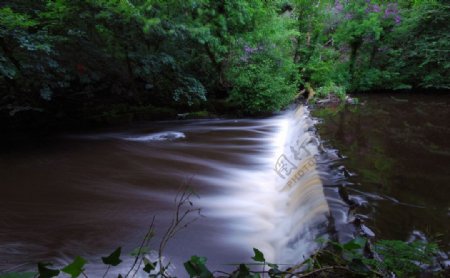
(86, 194)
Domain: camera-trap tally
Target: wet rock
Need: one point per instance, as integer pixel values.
(350, 100)
(330, 100)
(368, 232)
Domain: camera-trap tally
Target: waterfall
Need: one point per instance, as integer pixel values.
(304, 209)
(278, 207)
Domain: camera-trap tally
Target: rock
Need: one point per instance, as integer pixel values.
(368, 232)
(182, 116)
(350, 100)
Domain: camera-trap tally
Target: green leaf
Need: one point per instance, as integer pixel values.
(149, 266)
(259, 256)
(140, 251)
(114, 258)
(244, 272)
(12, 20)
(243, 269)
(355, 244)
(75, 268)
(273, 266)
(196, 267)
(45, 272)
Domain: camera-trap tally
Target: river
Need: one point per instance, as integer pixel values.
(271, 183)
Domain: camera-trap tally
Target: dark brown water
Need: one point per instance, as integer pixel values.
(397, 151)
(87, 194)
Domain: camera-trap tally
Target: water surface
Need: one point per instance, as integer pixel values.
(273, 183)
(86, 194)
(397, 154)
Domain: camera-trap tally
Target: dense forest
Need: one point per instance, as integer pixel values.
(72, 62)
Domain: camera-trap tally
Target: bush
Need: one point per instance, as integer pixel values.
(263, 86)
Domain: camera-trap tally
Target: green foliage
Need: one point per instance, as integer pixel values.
(75, 268)
(46, 272)
(114, 258)
(259, 256)
(404, 258)
(149, 266)
(258, 87)
(196, 267)
(419, 48)
(10, 20)
(68, 58)
(244, 272)
(65, 59)
(370, 45)
(258, 68)
(350, 259)
(331, 88)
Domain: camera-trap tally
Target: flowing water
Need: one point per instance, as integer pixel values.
(258, 184)
(270, 183)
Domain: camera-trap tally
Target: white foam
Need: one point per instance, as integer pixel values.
(160, 136)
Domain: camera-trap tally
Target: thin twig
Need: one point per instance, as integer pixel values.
(178, 222)
(106, 272)
(325, 268)
(147, 235)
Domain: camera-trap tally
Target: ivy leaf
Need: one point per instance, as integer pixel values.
(244, 272)
(140, 251)
(114, 258)
(196, 267)
(150, 266)
(75, 268)
(259, 256)
(45, 272)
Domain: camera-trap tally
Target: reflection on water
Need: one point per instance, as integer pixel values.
(397, 150)
(87, 194)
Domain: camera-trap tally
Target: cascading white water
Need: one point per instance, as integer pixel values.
(281, 207)
(305, 207)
